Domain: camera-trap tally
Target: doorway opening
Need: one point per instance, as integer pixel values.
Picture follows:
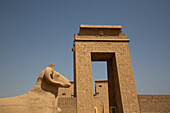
(114, 97)
(99, 72)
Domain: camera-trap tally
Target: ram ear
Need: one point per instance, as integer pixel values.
(48, 74)
(51, 75)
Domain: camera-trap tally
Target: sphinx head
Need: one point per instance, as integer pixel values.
(55, 79)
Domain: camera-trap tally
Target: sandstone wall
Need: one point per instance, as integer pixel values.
(67, 105)
(66, 92)
(98, 103)
(148, 103)
(154, 103)
(101, 97)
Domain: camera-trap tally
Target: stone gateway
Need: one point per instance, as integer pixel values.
(104, 43)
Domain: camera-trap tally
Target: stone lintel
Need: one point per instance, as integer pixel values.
(104, 40)
(101, 81)
(101, 30)
(101, 26)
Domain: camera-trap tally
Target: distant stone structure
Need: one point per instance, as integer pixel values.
(116, 95)
(43, 98)
(147, 103)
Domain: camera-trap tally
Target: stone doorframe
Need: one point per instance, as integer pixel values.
(104, 43)
(112, 75)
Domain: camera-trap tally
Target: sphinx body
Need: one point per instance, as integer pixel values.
(41, 99)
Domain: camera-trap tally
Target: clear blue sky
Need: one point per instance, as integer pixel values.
(35, 33)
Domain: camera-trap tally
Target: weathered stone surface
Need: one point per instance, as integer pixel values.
(67, 104)
(101, 97)
(106, 44)
(154, 103)
(148, 103)
(67, 92)
(43, 98)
